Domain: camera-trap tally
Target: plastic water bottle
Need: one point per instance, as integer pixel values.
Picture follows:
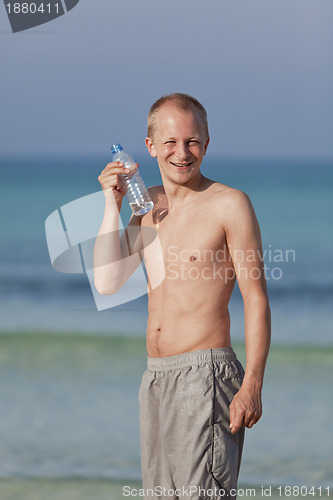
(132, 183)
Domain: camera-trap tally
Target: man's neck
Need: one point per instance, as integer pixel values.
(183, 192)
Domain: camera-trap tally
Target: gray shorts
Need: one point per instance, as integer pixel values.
(187, 449)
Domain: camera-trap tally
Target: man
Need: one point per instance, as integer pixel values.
(195, 399)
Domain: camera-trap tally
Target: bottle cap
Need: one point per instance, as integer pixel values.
(115, 148)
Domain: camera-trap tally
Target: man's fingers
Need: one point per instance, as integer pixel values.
(236, 424)
(110, 178)
(114, 170)
(244, 412)
(114, 164)
(252, 419)
(236, 418)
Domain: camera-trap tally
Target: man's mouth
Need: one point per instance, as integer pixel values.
(181, 165)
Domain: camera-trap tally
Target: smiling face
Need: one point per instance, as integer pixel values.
(179, 143)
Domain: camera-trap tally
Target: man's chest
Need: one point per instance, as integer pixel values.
(190, 237)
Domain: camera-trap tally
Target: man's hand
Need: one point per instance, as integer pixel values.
(111, 183)
(245, 409)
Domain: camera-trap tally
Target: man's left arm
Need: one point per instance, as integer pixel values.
(245, 247)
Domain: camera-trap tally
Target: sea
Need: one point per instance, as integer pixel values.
(70, 369)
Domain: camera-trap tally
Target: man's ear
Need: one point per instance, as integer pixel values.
(206, 145)
(150, 147)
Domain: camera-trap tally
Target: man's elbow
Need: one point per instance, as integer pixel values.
(106, 282)
(104, 291)
(106, 288)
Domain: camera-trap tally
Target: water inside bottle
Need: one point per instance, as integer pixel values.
(141, 209)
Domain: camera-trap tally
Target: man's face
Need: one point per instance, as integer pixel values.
(179, 143)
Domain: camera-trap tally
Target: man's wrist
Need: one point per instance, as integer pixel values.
(112, 205)
(252, 381)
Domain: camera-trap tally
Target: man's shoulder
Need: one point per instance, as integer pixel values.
(231, 207)
(156, 192)
(228, 196)
(155, 189)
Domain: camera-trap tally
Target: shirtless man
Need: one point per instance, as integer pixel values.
(195, 399)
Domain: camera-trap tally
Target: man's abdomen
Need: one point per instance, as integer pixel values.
(186, 322)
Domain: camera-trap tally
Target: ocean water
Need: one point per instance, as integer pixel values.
(70, 374)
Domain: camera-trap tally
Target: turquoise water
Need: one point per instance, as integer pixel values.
(69, 408)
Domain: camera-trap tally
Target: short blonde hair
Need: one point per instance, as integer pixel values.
(184, 102)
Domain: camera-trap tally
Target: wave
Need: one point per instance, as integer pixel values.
(47, 282)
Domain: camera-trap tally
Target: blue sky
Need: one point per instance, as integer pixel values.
(262, 68)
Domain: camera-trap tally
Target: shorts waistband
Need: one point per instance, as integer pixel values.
(191, 358)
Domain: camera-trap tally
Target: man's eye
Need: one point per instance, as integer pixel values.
(194, 142)
(170, 142)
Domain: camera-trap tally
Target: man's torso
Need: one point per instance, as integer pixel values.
(188, 309)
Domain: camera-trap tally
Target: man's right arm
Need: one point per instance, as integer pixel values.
(115, 258)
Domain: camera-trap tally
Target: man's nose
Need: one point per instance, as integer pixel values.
(182, 151)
